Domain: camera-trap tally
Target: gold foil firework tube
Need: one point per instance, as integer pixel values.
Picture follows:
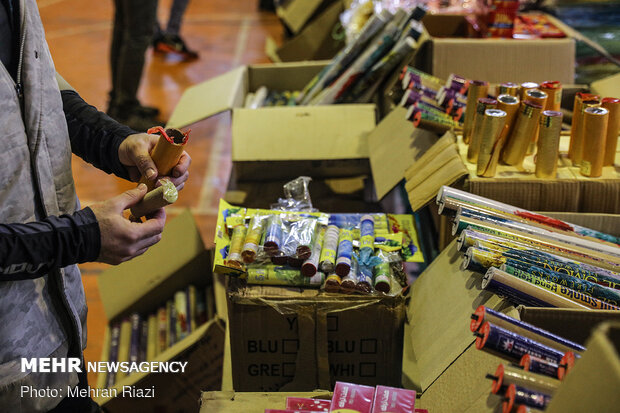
(508, 88)
(311, 265)
(234, 258)
(595, 123)
(553, 89)
(521, 136)
(548, 144)
(524, 87)
(575, 150)
(507, 374)
(160, 197)
(252, 239)
(327, 261)
(540, 98)
(477, 89)
(510, 105)
(332, 283)
(167, 151)
(613, 128)
(490, 148)
(503, 283)
(474, 142)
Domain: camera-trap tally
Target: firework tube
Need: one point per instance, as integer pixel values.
(451, 198)
(522, 133)
(539, 366)
(576, 297)
(577, 149)
(524, 292)
(548, 144)
(582, 102)
(566, 364)
(345, 251)
(484, 314)
(509, 104)
(516, 395)
(475, 138)
(364, 279)
(508, 88)
(506, 375)
(167, 151)
(273, 236)
(330, 245)
(348, 283)
(493, 122)
(383, 278)
(504, 343)
(331, 72)
(332, 283)
(524, 87)
(310, 266)
(527, 409)
(595, 121)
(553, 89)
(477, 89)
(613, 127)
(282, 276)
(367, 237)
(540, 98)
(234, 258)
(159, 197)
(252, 239)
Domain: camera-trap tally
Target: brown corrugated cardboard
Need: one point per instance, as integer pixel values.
(237, 402)
(320, 141)
(143, 284)
(592, 385)
(609, 86)
(493, 60)
(316, 41)
(294, 340)
(295, 14)
(393, 146)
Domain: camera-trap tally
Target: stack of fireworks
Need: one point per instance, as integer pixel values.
(357, 71)
(356, 398)
(140, 338)
(532, 259)
(539, 359)
(431, 103)
(342, 252)
(500, 18)
(526, 118)
(264, 98)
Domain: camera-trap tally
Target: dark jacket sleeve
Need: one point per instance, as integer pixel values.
(95, 137)
(33, 249)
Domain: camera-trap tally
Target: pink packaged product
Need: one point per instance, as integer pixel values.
(393, 400)
(302, 403)
(421, 411)
(352, 398)
(290, 411)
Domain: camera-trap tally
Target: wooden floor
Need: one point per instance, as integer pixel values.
(226, 33)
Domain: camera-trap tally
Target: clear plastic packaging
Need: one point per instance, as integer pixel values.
(297, 196)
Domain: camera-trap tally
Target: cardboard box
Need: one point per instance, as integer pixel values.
(287, 141)
(286, 339)
(447, 51)
(296, 13)
(236, 402)
(440, 359)
(316, 41)
(144, 284)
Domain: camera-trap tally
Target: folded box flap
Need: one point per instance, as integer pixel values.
(296, 13)
(209, 98)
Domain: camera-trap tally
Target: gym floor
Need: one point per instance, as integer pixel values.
(225, 33)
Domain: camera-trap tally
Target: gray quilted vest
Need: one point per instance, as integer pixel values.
(36, 316)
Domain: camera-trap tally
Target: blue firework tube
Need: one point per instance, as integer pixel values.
(311, 265)
(345, 252)
(537, 365)
(512, 346)
(484, 314)
(364, 279)
(507, 286)
(349, 281)
(273, 237)
(566, 364)
(367, 233)
(516, 395)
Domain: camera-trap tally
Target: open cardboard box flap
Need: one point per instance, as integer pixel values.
(296, 13)
(180, 251)
(609, 86)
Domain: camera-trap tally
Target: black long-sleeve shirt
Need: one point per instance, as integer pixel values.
(32, 249)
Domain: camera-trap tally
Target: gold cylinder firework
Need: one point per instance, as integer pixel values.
(477, 89)
(540, 98)
(553, 89)
(474, 143)
(493, 122)
(576, 130)
(595, 120)
(613, 127)
(510, 105)
(548, 144)
(521, 136)
(524, 87)
(508, 88)
(580, 141)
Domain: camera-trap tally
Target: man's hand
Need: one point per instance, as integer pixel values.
(134, 153)
(122, 240)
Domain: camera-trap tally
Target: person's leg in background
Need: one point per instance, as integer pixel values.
(132, 34)
(170, 40)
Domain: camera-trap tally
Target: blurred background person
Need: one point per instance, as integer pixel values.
(169, 40)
